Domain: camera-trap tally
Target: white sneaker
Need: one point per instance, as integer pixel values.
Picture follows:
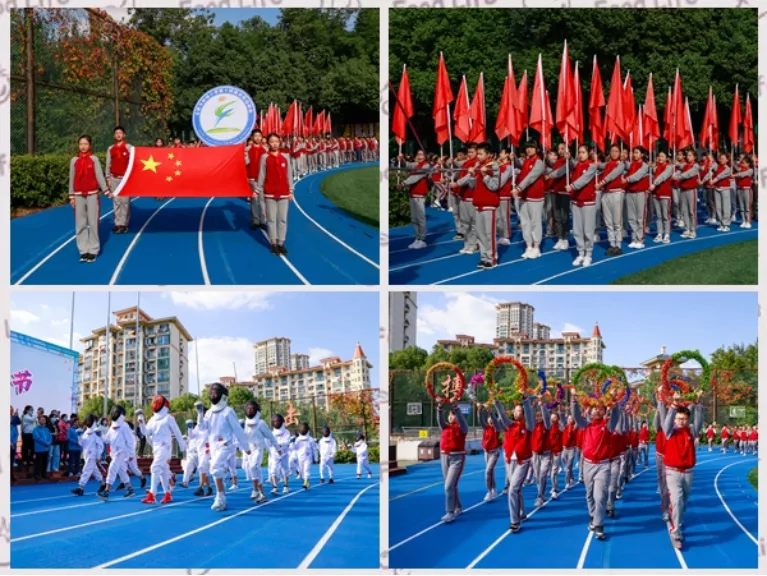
(504, 242)
(587, 261)
(578, 261)
(286, 490)
(253, 494)
(448, 518)
(666, 240)
(685, 234)
(219, 503)
(720, 229)
(565, 245)
(554, 495)
(449, 209)
(488, 497)
(275, 491)
(658, 238)
(233, 488)
(458, 511)
(413, 244)
(527, 252)
(747, 225)
(535, 253)
(493, 494)
(419, 244)
(633, 245)
(726, 229)
(691, 236)
(639, 245)
(538, 503)
(464, 251)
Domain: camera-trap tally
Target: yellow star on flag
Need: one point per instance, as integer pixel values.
(150, 165)
(171, 156)
(178, 172)
(169, 179)
(178, 162)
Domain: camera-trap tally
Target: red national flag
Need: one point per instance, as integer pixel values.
(308, 123)
(735, 118)
(748, 127)
(686, 137)
(679, 112)
(279, 122)
(477, 112)
(538, 108)
(705, 129)
(715, 126)
(502, 122)
(650, 120)
(291, 124)
(521, 105)
(403, 109)
(443, 96)
(328, 124)
(319, 124)
(615, 121)
(512, 117)
(637, 131)
(461, 115)
(549, 124)
(629, 107)
(186, 173)
(566, 116)
(668, 118)
(578, 103)
(265, 120)
(596, 101)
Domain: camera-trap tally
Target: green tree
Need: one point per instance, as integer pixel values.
(411, 358)
(95, 406)
(184, 403)
(238, 396)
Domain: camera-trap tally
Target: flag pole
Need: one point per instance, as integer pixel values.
(107, 379)
(449, 132)
(140, 381)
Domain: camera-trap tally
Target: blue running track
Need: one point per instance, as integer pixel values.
(720, 526)
(190, 241)
(440, 262)
(328, 526)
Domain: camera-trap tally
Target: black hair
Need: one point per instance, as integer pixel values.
(257, 130)
(471, 147)
(506, 149)
(303, 428)
(484, 146)
(118, 127)
(683, 410)
(614, 146)
(461, 151)
(269, 137)
(87, 137)
(253, 403)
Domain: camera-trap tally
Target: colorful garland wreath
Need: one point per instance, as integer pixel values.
(672, 383)
(520, 382)
(607, 384)
(461, 383)
(476, 381)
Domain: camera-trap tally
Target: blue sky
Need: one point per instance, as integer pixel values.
(237, 15)
(225, 324)
(634, 325)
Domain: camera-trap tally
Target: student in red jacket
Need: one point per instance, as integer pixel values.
(637, 182)
(612, 187)
(596, 459)
(720, 180)
(579, 453)
(118, 158)
(463, 184)
(584, 199)
(679, 459)
(634, 441)
(744, 180)
(275, 182)
(710, 436)
(503, 213)
(555, 440)
(644, 444)
(560, 195)
(753, 441)
(688, 180)
(517, 452)
(487, 184)
(452, 445)
(725, 438)
(569, 451)
(255, 149)
(418, 184)
(491, 444)
(616, 454)
(530, 192)
(85, 181)
(541, 464)
(660, 446)
(662, 197)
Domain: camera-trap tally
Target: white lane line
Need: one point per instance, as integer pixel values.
(13, 502)
(341, 242)
(435, 244)
(56, 251)
(203, 265)
(287, 262)
(54, 509)
(324, 540)
(676, 550)
(427, 486)
(105, 520)
(198, 530)
(133, 243)
(642, 251)
(721, 499)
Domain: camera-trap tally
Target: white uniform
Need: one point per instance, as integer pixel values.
(192, 460)
(293, 459)
(220, 427)
(160, 431)
(131, 464)
(120, 439)
(306, 450)
(92, 446)
(259, 439)
(278, 462)
(328, 449)
(203, 452)
(361, 450)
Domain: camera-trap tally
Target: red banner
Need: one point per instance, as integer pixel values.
(186, 173)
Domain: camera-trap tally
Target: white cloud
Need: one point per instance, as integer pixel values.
(463, 313)
(118, 14)
(222, 300)
(317, 354)
(216, 358)
(23, 317)
(568, 327)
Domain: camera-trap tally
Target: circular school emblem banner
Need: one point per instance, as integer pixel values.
(224, 116)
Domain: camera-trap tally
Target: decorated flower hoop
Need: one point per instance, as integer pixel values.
(492, 387)
(609, 385)
(458, 375)
(645, 408)
(672, 384)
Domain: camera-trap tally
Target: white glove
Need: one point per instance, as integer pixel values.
(199, 406)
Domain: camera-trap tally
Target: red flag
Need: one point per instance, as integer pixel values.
(279, 122)
(668, 116)
(715, 126)
(461, 115)
(629, 107)
(512, 117)
(748, 127)
(549, 124)
(403, 109)
(615, 121)
(502, 122)
(735, 119)
(290, 125)
(308, 123)
(679, 114)
(637, 131)
(578, 103)
(186, 173)
(566, 118)
(319, 123)
(650, 120)
(596, 101)
(705, 129)
(328, 124)
(521, 103)
(443, 96)
(477, 112)
(538, 109)
(686, 137)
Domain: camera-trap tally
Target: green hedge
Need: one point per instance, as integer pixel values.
(41, 181)
(399, 204)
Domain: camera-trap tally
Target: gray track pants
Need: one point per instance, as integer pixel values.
(688, 204)
(744, 202)
(644, 454)
(277, 219)
(491, 458)
(556, 466)
(542, 472)
(503, 218)
(584, 218)
(121, 204)
(455, 203)
(679, 487)
(485, 223)
(612, 209)
(662, 488)
(468, 225)
(530, 215)
(723, 209)
(675, 202)
(597, 480)
(615, 474)
(87, 223)
(663, 213)
(636, 215)
(568, 459)
(452, 466)
(257, 215)
(517, 473)
(418, 217)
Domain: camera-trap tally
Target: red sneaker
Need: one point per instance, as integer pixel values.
(149, 499)
(166, 499)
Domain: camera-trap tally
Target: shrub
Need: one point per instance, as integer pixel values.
(399, 205)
